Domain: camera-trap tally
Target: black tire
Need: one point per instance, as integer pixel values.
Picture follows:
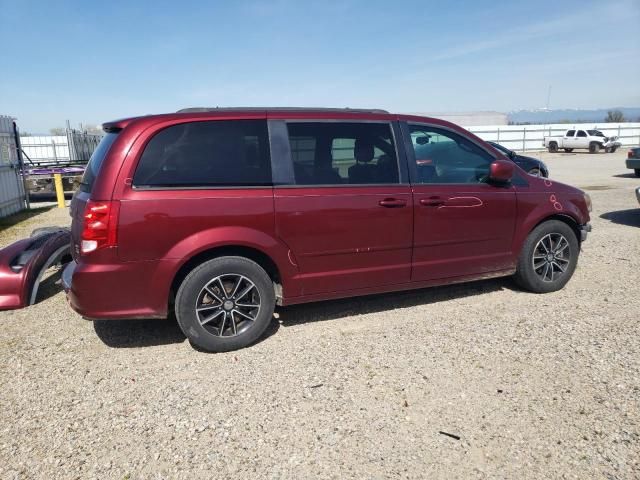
(594, 147)
(553, 147)
(637, 172)
(613, 150)
(207, 336)
(568, 150)
(530, 278)
(535, 172)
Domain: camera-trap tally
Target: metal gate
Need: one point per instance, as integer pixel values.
(12, 195)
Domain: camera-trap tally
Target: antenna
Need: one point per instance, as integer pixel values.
(548, 97)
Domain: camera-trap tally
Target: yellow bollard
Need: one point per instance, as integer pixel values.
(57, 179)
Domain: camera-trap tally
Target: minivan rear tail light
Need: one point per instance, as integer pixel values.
(100, 225)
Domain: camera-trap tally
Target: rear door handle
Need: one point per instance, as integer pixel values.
(392, 203)
(432, 202)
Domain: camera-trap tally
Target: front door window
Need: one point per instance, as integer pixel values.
(444, 157)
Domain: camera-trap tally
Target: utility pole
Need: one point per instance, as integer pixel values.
(548, 97)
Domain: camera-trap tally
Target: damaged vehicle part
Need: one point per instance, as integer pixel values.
(24, 263)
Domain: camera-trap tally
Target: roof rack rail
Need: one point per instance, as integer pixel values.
(279, 109)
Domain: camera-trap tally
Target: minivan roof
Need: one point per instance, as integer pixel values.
(236, 113)
(280, 109)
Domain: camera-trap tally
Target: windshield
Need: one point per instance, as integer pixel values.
(95, 162)
(595, 133)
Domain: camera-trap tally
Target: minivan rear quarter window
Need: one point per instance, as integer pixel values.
(95, 162)
(223, 153)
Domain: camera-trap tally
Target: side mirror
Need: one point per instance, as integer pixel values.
(501, 171)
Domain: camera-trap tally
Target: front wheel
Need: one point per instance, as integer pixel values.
(594, 147)
(225, 304)
(548, 258)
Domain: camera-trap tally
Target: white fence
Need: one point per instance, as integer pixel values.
(530, 137)
(12, 196)
(73, 148)
(45, 147)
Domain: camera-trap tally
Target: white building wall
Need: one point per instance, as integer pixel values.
(469, 118)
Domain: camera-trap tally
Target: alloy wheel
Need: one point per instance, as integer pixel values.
(551, 257)
(228, 305)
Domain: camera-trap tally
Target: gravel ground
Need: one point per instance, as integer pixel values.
(528, 386)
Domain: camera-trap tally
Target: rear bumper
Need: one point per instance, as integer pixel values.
(633, 163)
(67, 274)
(119, 291)
(584, 230)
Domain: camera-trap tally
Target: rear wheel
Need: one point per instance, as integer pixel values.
(553, 147)
(594, 147)
(548, 258)
(568, 150)
(225, 304)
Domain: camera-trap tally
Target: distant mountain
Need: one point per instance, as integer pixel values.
(631, 114)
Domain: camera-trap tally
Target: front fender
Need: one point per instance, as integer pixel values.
(535, 207)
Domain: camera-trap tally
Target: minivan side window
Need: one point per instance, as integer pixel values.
(220, 153)
(343, 153)
(443, 156)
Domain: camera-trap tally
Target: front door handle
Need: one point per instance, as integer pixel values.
(432, 202)
(392, 203)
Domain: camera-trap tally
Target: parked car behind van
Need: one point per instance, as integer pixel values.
(531, 165)
(221, 214)
(633, 160)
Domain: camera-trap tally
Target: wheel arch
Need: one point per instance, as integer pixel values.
(252, 253)
(568, 219)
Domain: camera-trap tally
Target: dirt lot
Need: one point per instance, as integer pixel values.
(534, 386)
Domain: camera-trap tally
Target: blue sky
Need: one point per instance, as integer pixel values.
(94, 61)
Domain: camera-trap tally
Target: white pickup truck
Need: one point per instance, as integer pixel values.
(593, 140)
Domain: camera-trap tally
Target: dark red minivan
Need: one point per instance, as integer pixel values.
(220, 214)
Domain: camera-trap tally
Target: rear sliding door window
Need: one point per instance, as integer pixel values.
(207, 154)
(343, 153)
